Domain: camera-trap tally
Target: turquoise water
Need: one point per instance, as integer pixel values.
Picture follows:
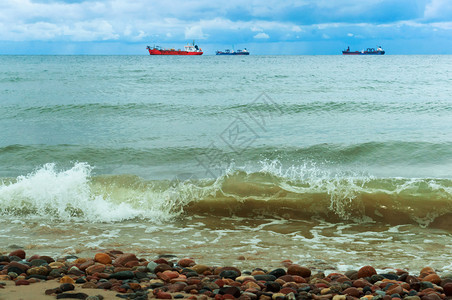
(327, 149)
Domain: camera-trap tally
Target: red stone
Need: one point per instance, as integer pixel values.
(287, 290)
(102, 258)
(298, 279)
(432, 296)
(186, 262)
(351, 291)
(192, 280)
(102, 275)
(394, 289)
(295, 269)
(161, 261)
(288, 278)
(33, 257)
(120, 269)
(427, 270)
(360, 283)
(48, 259)
(163, 295)
(162, 268)
(86, 264)
(19, 253)
(434, 278)
(122, 259)
(163, 276)
(366, 271)
(171, 274)
(219, 282)
(18, 265)
(132, 264)
(22, 282)
(95, 269)
(448, 289)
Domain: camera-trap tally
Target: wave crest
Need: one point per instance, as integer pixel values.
(297, 193)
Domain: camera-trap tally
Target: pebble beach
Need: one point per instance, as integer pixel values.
(112, 274)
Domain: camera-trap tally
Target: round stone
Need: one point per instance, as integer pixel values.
(200, 269)
(38, 262)
(19, 253)
(38, 271)
(366, 271)
(102, 258)
(186, 263)
(448, 289)
(295, 269)
(278, 272)
(151, 266)
(434, 278)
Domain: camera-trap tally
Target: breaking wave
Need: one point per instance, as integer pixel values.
(296, 193)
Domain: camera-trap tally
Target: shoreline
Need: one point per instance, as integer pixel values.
(113, 274)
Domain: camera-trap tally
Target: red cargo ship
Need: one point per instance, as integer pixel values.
(188, 50)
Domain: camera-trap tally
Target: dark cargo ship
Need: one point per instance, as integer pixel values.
(229, 52)
(369, 51)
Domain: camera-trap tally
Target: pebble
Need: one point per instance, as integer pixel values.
(72, 296)
(19, 253)
(133, 278)
(67, 287)
(38, 271)
(38, 262)
(151, 266)
(186, 263)
(366, 271)
(122, 259)
(99, 268)
(67, 279)
(264, 277)
(295, 269)
(122, 275)
(200, 269)
(22, 282)
(102, 258)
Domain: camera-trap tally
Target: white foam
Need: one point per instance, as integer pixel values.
(65, 195)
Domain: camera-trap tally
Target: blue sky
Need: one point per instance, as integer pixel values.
(264, 27)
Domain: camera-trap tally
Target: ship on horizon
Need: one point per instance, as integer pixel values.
(369, 51)
(188, 50)
(229, 52)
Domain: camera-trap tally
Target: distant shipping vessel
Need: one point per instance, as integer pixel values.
(369, 51)
(188, 50)
(229, 52)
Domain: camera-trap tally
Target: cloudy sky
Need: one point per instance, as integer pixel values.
(264, 27)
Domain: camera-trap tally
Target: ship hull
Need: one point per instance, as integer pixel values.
(363, 53)
(233, 53)
(172, 52)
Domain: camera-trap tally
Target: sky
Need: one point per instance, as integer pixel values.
(266, 27)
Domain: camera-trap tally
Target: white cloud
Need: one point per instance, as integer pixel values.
(195, 32)
(256, 29)
(262, 35)
(296, 29)
(438, 9)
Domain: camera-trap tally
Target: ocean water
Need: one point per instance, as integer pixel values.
(333, 162)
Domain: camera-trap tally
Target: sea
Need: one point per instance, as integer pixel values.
(332, 162)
